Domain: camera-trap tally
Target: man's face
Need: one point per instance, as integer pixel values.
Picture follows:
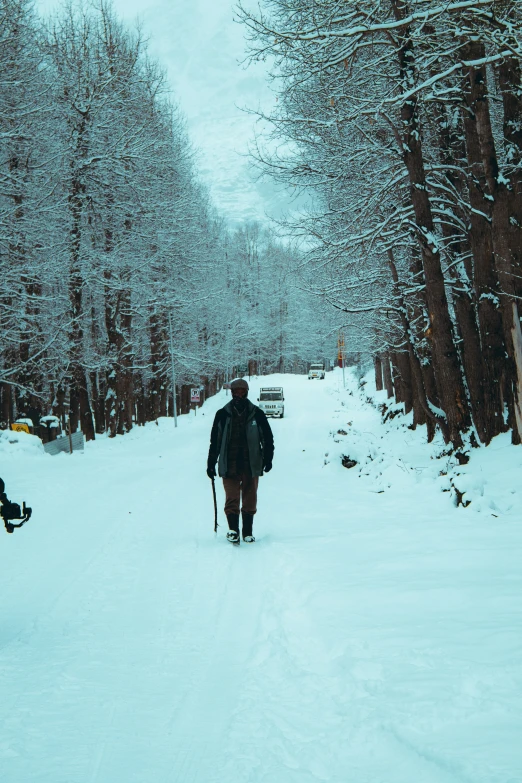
(240, 393)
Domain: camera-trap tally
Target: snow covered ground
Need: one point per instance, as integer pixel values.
(371, 635)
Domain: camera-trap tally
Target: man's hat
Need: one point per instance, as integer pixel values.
(239, 383)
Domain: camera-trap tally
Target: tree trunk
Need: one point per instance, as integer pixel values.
(127, 359)
(377, 363)
(97, 404)
(510, 83)
(6, 405)
(446, 364)
(457, 252)
(386, 373)
(407, 380)
(185, 398)
(80, 410)
(503, 234)
(485, 280)
(404, 373)
(422, 379)
(396, 378)
(141, 406)
(157, 350)
(58, 406)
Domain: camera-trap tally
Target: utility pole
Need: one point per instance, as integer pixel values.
(173, 371)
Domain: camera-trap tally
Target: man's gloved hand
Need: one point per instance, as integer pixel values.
(211, 472)
(268, 467)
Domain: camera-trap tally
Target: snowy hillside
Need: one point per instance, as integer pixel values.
(372, 633)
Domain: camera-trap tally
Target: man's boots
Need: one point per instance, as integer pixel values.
(233, 532)
(248, 521)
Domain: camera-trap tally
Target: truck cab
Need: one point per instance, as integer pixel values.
(316, 371)
(271, 401)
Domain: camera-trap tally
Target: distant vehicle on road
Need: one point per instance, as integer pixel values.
(271, 401)
(316, 371)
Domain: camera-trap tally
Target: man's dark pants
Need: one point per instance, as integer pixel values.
(243, 488)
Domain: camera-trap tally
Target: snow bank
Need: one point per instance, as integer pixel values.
(389, 453)
(20, 445)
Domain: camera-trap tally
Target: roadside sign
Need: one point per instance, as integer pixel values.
(18, 426)
(194, 395)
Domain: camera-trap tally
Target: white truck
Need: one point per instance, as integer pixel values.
(271, 401)
(316, 371)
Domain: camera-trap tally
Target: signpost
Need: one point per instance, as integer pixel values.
(195, 397)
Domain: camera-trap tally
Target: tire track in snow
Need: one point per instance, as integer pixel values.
(202, 721)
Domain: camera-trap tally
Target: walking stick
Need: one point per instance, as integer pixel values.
(215, 506)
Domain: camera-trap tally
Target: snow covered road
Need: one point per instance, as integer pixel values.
(371, 635)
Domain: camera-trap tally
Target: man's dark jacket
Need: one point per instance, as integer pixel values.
(259, 436)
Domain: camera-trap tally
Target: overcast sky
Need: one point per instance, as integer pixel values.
(200, 46)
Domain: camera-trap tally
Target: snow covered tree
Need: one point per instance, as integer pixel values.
(387, 106)
(23, 189)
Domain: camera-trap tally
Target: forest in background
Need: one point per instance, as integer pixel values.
(110, 249)
(404, 119)
(401, 118)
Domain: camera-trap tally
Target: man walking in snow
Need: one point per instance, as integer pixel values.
(242, 444)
